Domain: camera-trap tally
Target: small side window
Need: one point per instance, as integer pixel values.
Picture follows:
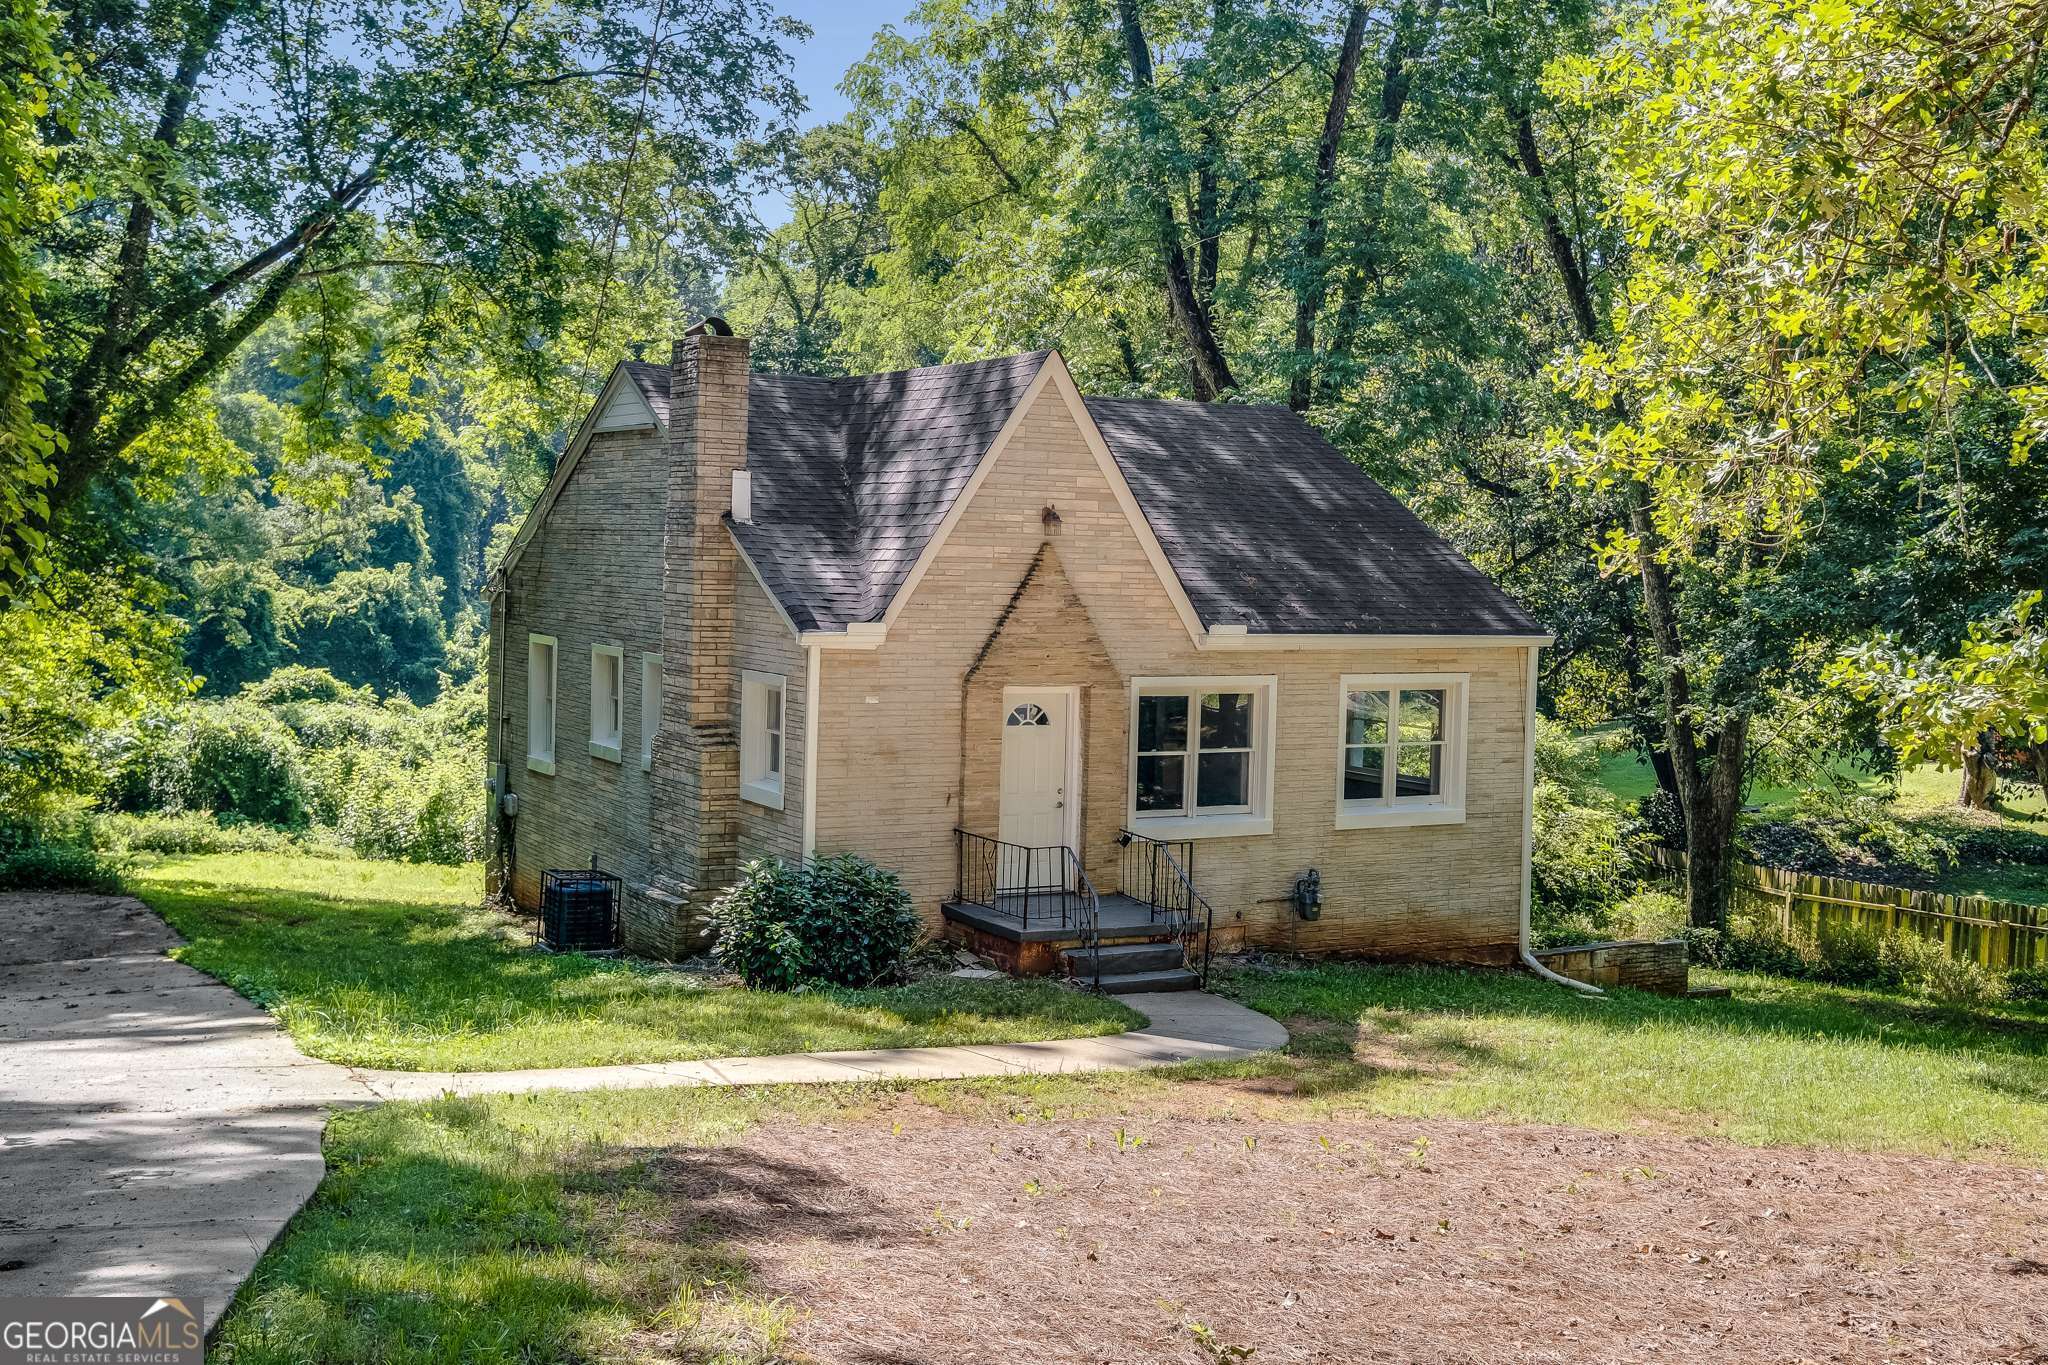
(540, 703)
(607, 700)
(650, 707)
(761, 738)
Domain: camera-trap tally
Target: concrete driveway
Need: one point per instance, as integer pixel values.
(156, 1129)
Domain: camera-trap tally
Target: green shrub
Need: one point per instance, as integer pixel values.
(344, 727)
(1649, 913)
(856, 924)
(1658, 818)
(149, 764)
(1852, 955)
(430, 813)
(59, 867)
(297, 682)
(244, 761)
(195, 831)
(1551, 930)
(841, 920)
(754, 925)
(1755, 948)
(1579, 864)
(1705, 947)
(1956, 981)
(2028, 984)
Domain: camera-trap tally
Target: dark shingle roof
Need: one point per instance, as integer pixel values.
(1265, 523)
(1268, 525)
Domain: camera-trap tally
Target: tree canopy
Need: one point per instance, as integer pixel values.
(1713, 330)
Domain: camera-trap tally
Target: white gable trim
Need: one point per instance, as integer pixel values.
(766, 591)
(594, 421)
(623, 408)
(1054, 373)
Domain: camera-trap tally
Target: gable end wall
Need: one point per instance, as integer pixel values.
(894, 777)
(591, 574)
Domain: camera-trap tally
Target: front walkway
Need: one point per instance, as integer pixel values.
(1182, 1026)
(157, 1130)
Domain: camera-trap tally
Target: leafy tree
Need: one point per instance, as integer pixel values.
(90, 655)
(1820, 200)
(35, 83)
(240, 162)
(790, 283)
(1952, 710)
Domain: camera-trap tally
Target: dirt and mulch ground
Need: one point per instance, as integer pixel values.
(928, 1238)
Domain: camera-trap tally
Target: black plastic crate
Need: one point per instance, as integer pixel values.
(579, 911)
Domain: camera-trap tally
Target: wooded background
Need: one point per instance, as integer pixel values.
(1712, 330)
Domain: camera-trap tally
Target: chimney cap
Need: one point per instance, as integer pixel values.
(712, 325)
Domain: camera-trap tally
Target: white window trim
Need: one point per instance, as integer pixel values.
(1394, 813)
(650, 716)
(762, 791)
(611, 749)
(536, 761)
(1265, 690)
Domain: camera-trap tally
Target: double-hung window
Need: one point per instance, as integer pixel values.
(1401, 750)
(1201, 756)
(761, 736)
(540, 703)
(607, 700)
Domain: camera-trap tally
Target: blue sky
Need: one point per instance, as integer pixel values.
(840, 33)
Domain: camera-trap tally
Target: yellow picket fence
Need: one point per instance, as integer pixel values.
(2000, 934)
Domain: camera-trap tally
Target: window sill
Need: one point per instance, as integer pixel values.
(609, 752)
(767, 794)
(536, 763)
(1199, 826)
(1399, 817)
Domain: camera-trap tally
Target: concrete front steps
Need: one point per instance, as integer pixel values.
(1132, 968)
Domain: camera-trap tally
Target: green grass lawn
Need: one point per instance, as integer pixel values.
(1781, 1062)
(512, 1229)
(395, 965)
(1923, 795)
(555, 1226)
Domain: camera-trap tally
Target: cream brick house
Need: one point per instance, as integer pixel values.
(1089, 674)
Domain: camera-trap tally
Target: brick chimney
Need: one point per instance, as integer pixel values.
(696, 770)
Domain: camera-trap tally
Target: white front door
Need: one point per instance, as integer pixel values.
(1034, 793)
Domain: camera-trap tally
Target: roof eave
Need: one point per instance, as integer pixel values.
(1224, 637)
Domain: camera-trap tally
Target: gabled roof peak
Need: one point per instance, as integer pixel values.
(1266, 526)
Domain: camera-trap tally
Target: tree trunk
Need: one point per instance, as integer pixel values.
(1411, 38)
(1210, 371)
(1980, 779)
(1707, 770)
(1653, 743)
(1312, 281)
(1710, 828)
(2040, 756)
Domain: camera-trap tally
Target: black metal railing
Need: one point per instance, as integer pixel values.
(1087, 926)
(1037, 887)
(1040, 888)
(1159, 872)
